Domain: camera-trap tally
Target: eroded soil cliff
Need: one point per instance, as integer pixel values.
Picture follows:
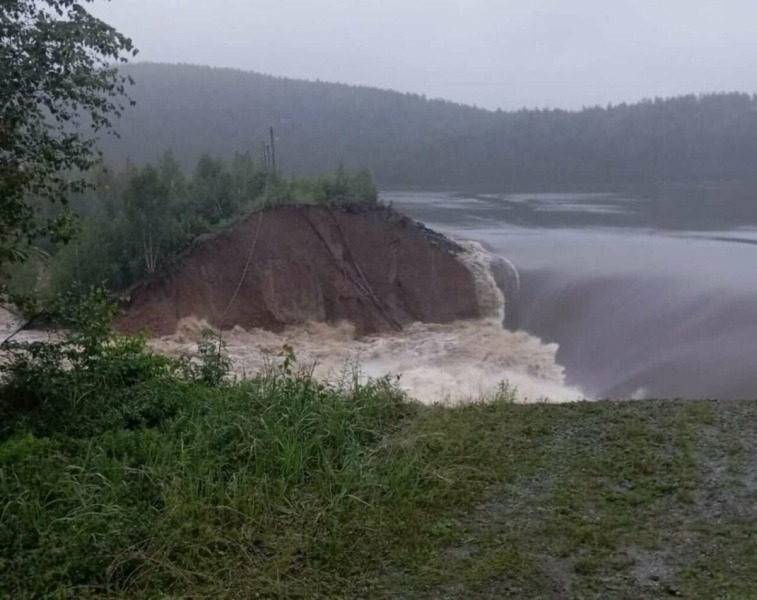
(370, 266)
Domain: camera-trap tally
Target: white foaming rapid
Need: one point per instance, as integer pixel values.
(467, 361)
(491, 299)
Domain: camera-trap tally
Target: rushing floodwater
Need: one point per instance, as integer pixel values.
(649, 293)
(633, 293)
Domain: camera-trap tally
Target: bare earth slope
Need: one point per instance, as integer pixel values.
(365, 264)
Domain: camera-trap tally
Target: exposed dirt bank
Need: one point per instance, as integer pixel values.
(367, 265)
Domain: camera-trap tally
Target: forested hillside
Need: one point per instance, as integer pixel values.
(199, 110)
(407, 139)
(710, 137)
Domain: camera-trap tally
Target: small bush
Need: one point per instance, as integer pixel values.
(212, 365)
(127, 474)
(137, 220)
(276, 474)
(88, 380)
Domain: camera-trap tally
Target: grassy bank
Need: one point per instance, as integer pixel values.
(283, 488)
(124, 475)
(605, 500)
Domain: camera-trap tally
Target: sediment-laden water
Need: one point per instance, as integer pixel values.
(619, 294)
(647, 292)
(454, 363)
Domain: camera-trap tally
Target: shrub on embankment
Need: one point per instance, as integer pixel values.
(135, 220)
(126, 473)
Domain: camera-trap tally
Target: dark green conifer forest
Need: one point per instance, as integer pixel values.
(407, 139)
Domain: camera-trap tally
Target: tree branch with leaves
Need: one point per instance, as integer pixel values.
(59, 90)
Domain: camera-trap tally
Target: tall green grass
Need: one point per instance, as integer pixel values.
(127, 474)
(260, 482)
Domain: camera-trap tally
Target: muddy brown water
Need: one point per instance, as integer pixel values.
(648, 292)
(623, 293)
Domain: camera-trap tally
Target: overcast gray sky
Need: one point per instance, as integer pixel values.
(492, 53)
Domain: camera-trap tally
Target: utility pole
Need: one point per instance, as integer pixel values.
(273, 151)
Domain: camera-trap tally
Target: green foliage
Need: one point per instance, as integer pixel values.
(56, 77)
(337, 188)
(17, 450)
(197, 110)
(158, 482)
(23, 278)
(137, 220)
(127, 474)
(212, 366)
(212, 197)
(284, 472)
(148, 210)
(407, 139)
(88, 380)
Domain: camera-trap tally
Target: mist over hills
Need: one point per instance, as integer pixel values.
(406, 139)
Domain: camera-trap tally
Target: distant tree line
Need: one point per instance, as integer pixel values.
(407, 139)
(196, 110)
(136, 218)
(689, 138)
